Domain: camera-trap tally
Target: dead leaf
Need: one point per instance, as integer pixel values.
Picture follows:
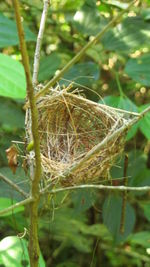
(12, 154)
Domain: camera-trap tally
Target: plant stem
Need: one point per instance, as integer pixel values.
(34, 250)
(39, 43)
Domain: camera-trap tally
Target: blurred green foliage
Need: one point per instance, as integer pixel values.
(81, 228)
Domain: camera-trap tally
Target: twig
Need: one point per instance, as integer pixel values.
(82, 52)
(85, 186)
(12, 207)
(98, 187)
(39, 43)
(34, 250)
(16, 187)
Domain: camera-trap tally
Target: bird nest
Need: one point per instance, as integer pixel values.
(74, 138)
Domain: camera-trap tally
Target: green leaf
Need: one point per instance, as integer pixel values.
(145, 13)
(11, 115)
(83, 74)
(83, 199)
(138, 69)
(112, 215)
(141, 238)
(88, 21)
(131, 34)
(7, 191)
(144, 123)
(48, 66)
(6, 203)
(124, 103)
(9, 34)
(14, 252)
(137, 173)
(117, 4)
(146, 208)
(12, 78)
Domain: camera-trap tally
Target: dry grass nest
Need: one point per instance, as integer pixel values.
(73, 138)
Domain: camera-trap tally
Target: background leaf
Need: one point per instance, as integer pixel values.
(48, 66)
(12, 78)
(83, 74)
(9, 34)
(138, 69)
(6, 203)
(144, 123)
(131, 34)
(111, 216)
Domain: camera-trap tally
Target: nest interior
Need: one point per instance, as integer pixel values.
(71, 127)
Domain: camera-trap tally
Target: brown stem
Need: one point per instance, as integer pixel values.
(34, 250)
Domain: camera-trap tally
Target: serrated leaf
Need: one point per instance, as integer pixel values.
(12, 78)
(112, 216)
(9, 34)
(48, 66)
(14, 252)
(138, 69)
(131, 34)
(144, 123)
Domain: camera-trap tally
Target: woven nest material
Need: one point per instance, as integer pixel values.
(71, 129)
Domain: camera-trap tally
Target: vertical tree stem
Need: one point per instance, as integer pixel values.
(124, 198)
(39, 43)
(34, 250)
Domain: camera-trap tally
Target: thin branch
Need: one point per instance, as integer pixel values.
(34, 250)
(82, 52)
(16, 187)
(85, 186)
(39, 42)
(98, 187)
(12, 207)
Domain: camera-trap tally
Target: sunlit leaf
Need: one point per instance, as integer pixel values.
(14, 252)
(117, 4)
(6, 203)
(141, 238)
(12, 78)
(131, 34)
(88, 21)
